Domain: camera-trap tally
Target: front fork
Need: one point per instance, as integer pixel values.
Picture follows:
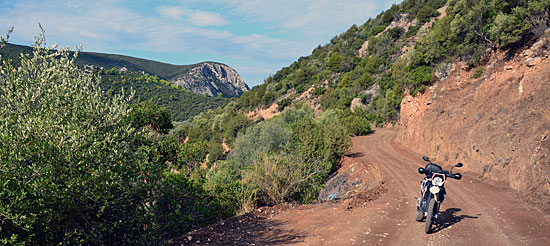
(424, 201)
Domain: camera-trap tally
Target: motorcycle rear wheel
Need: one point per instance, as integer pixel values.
(430, 217)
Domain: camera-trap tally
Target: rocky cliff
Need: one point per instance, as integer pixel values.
(212, 78)
(498, 125)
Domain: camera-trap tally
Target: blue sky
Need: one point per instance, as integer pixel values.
(257, 38)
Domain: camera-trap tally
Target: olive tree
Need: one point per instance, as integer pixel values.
(71, 171)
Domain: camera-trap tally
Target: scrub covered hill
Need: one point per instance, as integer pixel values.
(405, 48)
(210, 78)
(180, 102)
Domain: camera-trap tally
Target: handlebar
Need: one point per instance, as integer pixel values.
(432, 168)
(457, 176)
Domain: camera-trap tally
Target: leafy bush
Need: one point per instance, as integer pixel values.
(183, 205)
(74, 170)
(288, 157)
(357, 125)
(147, 114)
(478, 72)
(418, 78)
(377, 29)
(425, 14)
(335, 62)
(70, 171)
(282, 104)
(507, 29)
(412, 31)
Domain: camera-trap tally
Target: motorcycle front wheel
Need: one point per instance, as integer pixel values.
(430, 216)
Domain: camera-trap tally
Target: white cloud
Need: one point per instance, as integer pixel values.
(307, 14)
(287, 29)
(201, 18)
(195, 17)
(171, 12)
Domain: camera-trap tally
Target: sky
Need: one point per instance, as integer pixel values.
(255, 37)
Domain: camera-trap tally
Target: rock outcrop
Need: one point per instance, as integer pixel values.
(212, 78)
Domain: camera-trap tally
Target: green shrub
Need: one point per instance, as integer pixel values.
(288, 157)
(478, 72)
(149, 115)
(335, 62)
(377, 29)
(70, 169)
(412, 31)
(357, 125)
(425, 14)
(418, 78)
(235, 124)
(190, 155)
(282, 104)
(184, 205)
(507, 29)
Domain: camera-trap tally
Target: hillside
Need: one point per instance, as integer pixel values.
(180, 102)
(470, 56)
(459, 81)
(209, 78)
(296, 159)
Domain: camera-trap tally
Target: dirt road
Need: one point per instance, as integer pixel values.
(474, 212)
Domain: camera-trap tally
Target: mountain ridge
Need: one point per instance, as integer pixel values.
(213, 86)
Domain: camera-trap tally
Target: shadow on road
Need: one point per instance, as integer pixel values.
(448, 218)
(246, 229)
(356, 154)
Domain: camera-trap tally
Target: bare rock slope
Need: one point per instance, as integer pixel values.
(212, 78)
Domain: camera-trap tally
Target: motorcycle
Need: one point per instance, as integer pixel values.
(432, 191)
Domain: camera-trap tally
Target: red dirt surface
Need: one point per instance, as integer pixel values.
(474, 212)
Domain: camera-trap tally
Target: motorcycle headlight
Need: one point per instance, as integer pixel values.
(437, 181)
(434, 189)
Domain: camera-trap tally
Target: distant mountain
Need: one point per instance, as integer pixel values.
(209, 78)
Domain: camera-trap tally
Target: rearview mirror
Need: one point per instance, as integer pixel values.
(421, 170)
(459, 164)
(425, 158)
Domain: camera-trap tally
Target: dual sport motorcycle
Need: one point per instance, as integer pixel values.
(432, 190)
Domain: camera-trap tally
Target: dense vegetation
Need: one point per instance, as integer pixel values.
(77, 167)
(338, 74)
(80, 167)
(286, 158)
(181, 103)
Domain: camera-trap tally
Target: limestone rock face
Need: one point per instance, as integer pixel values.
(211, 79)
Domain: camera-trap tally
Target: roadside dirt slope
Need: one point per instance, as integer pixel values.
(474, 213)
(499, 123)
